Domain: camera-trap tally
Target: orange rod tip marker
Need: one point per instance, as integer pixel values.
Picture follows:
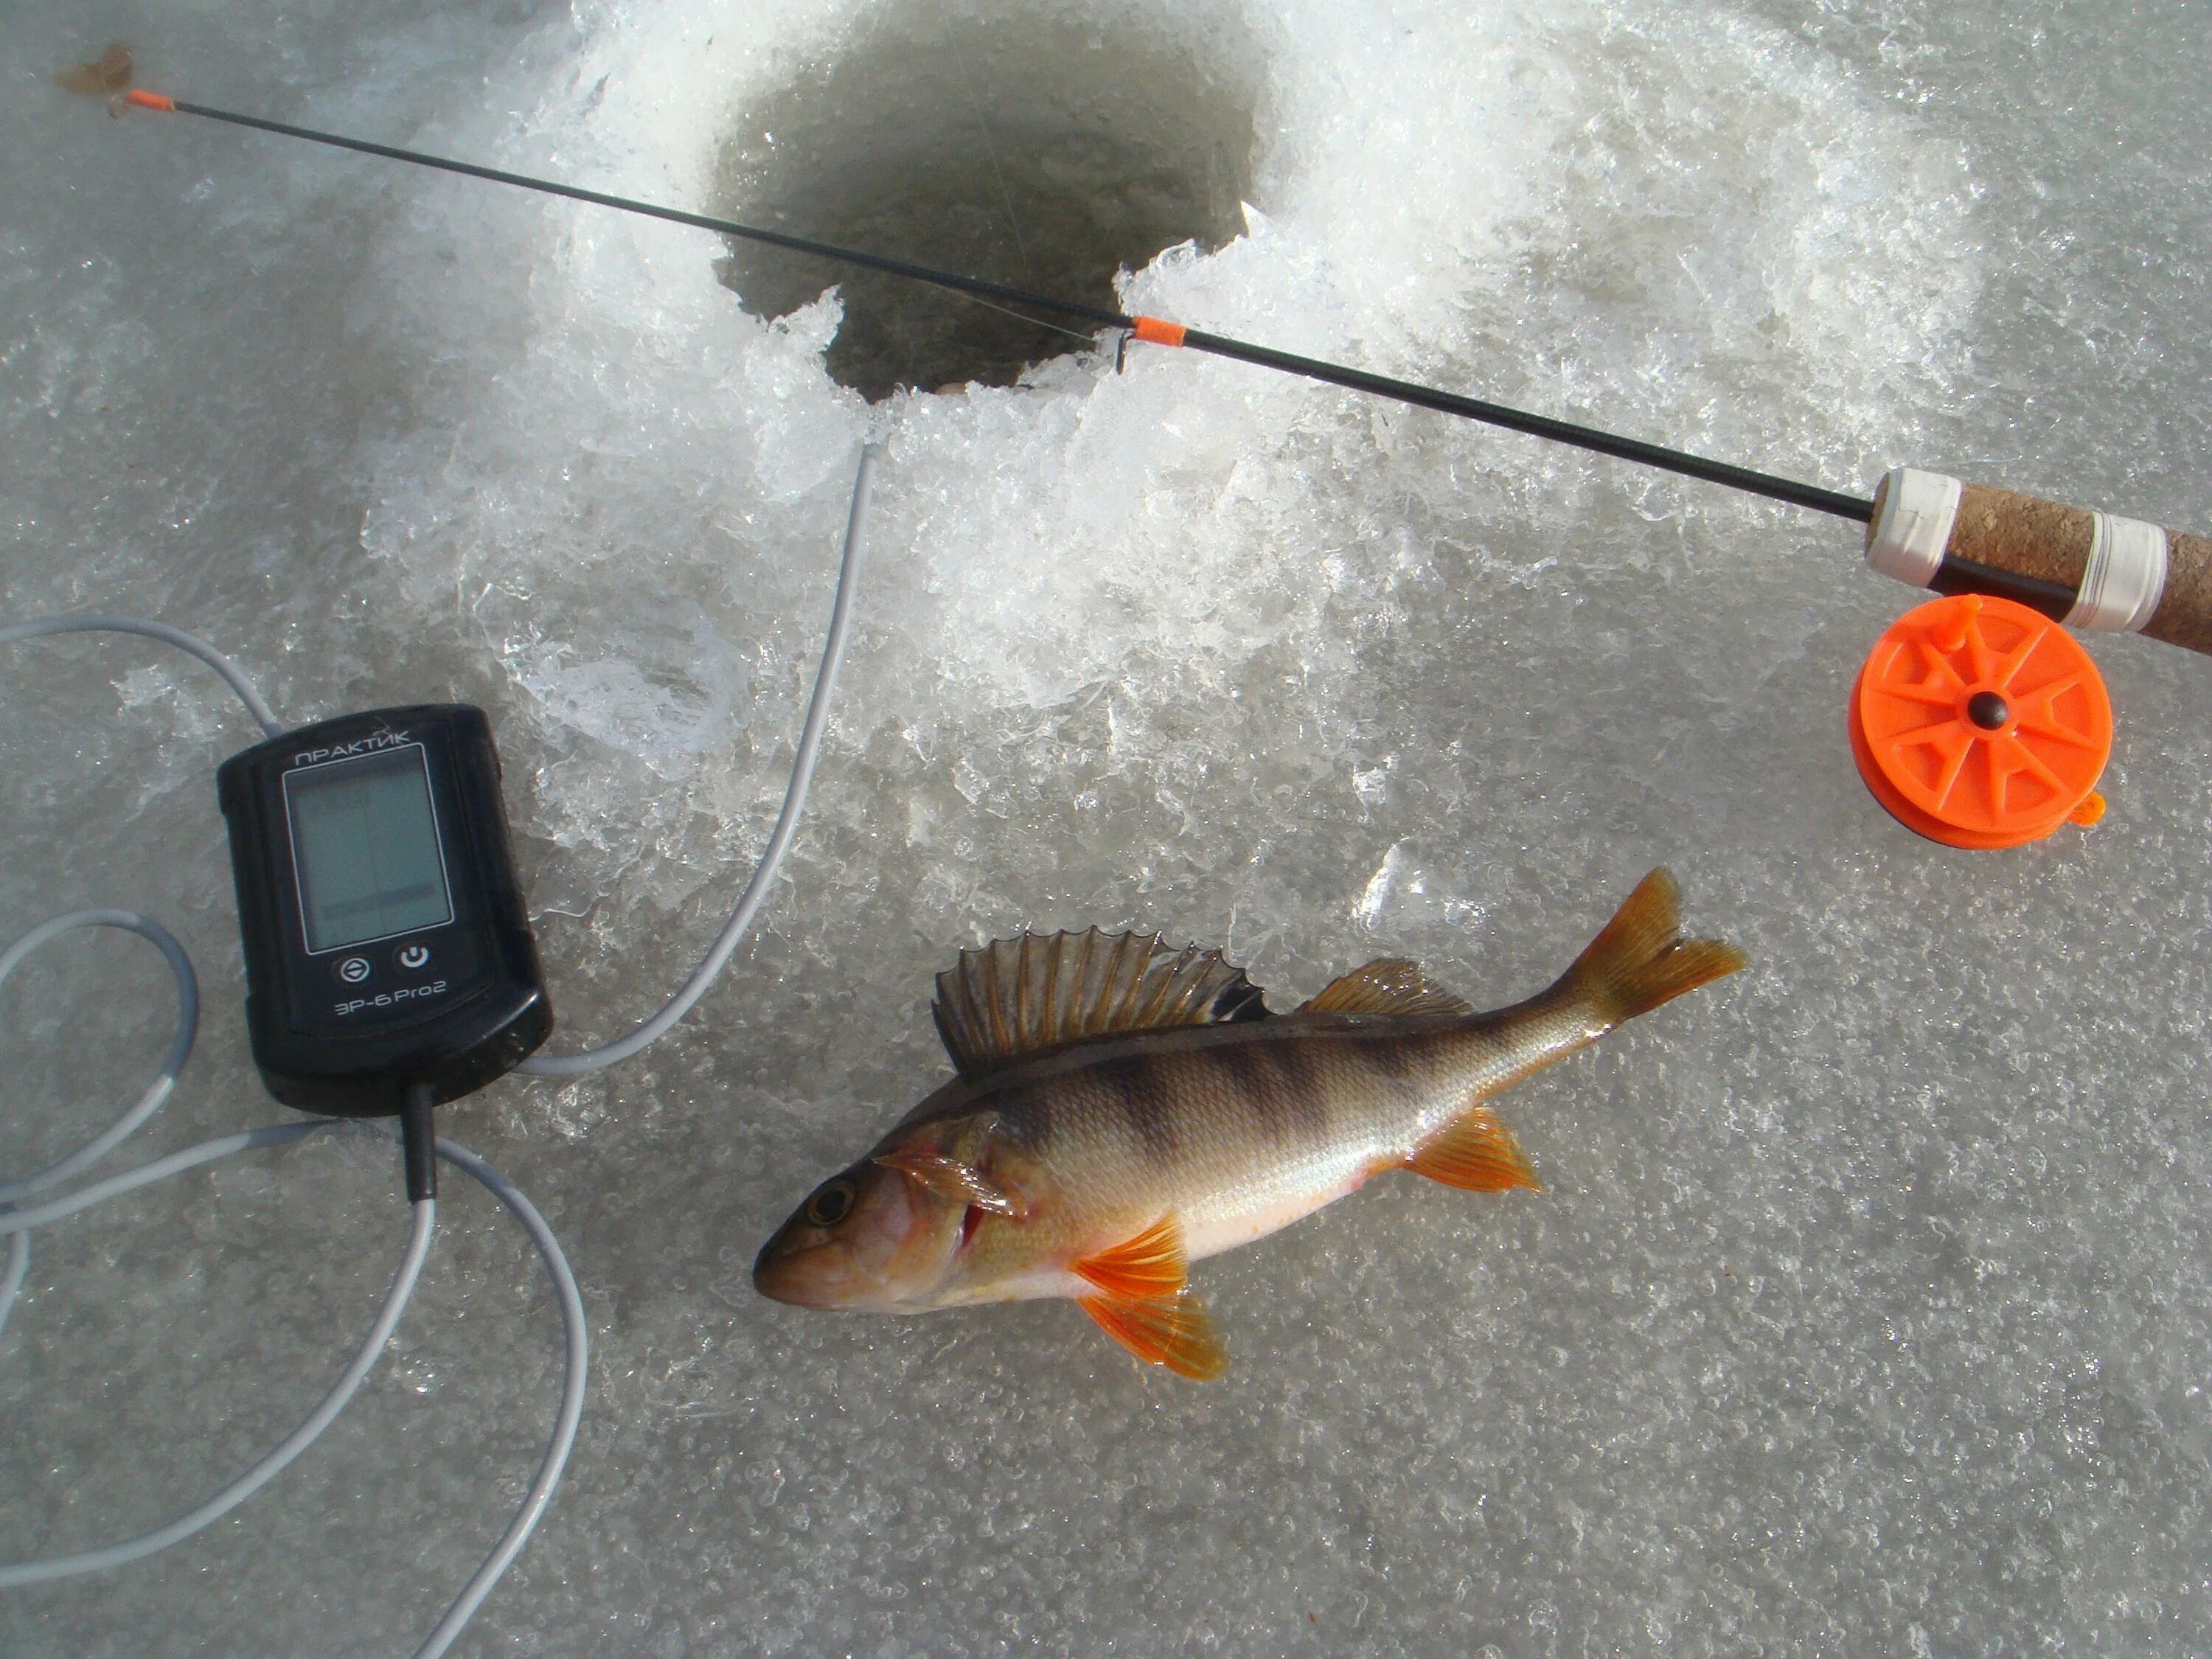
(1157, 330)
(1980, 723)
(146, 100)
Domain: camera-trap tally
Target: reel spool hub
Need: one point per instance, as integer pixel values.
(1979, 723)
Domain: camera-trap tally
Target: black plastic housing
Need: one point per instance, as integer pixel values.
(345, 1032)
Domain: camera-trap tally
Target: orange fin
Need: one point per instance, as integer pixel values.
(948, 1177)
(1478, 1154)
(1640, 960)
(1173, 1331)
(1389, 986)
(1149, 1266)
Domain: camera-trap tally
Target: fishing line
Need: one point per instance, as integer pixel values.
(968, 84)
(1153, 329)
(1023, 317)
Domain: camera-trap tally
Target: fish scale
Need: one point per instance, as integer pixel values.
(1123, 1110)
(1239, 1130)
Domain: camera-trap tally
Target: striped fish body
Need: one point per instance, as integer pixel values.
(1234, 1130)
(1122, 1110)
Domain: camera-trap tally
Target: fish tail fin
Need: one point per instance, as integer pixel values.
(1640, 959)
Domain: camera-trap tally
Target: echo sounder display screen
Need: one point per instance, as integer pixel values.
(365, 843)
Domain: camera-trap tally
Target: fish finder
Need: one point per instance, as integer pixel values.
(389, 961)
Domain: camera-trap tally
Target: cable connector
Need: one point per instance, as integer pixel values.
(418, 1141)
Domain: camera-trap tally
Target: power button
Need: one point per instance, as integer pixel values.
(412, 957)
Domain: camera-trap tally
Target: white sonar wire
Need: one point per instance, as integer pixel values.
(234, 676)
(17, 1220)
(180, 1044)
(779, 841)
(11, 1276)
(274, 1462)
(576, 1371)
(576, 1338)
(180, 965)
(54, 1209)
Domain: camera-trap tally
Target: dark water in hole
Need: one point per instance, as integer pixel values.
(1035, 150)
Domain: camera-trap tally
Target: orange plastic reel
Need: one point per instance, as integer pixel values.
(1981, 723)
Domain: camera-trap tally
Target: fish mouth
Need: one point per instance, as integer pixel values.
(827, 1274)
(810, 1276)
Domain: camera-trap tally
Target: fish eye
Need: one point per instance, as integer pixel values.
(832, 1203)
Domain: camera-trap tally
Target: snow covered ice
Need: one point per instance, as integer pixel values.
(1866, 1308)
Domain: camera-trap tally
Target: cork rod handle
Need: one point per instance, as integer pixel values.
(2091, 570)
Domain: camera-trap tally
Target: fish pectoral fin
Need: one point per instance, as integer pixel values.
(948, 1178)
(1389, 985)
(1149, 1266)
(1174, 1331)
(1477, 1154)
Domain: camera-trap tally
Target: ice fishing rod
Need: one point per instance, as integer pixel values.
(2088, 570)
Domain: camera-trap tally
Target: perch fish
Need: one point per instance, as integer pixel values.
(1124, 1109)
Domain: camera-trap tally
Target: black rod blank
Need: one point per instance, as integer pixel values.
(1219, 345)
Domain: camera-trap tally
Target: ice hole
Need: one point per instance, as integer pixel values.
(1036, 146)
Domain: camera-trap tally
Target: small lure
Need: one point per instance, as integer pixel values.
(1124, 1109)
(108, 78)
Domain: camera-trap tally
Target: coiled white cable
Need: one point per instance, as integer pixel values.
(576, 1339)
(233, 675)
(180, 1044)
(17, 1220)
(180, 1047)
(268, 1467)
(18, 1223)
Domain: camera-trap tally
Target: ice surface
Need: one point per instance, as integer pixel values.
(1865, 1309)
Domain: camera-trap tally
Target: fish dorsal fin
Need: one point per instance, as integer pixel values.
(1389, 985)
(1017, 996)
